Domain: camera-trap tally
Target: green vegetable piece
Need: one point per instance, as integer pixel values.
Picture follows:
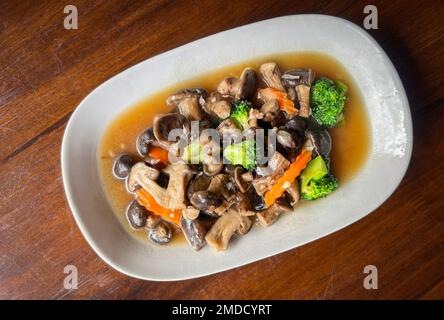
(327, 101)
(243, 154)
(316, 181)
(193, 153)
(240, 114)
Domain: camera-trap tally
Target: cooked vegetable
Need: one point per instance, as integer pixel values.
(243, 153)
(161, 233)
(148, 201)
(285, 104)
(193, 153)
(278, 189)
(122, 166)
(277, 152)
(240, 114)
(136, 214)
(328, 99)
(316, 181)
(159, 154)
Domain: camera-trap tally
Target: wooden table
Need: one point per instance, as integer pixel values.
(47, 70)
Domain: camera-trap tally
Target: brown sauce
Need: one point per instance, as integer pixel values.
(351, 141)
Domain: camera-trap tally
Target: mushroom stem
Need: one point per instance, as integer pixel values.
(224, 228)
(175, 192)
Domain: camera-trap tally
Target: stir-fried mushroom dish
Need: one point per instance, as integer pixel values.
(220, 161)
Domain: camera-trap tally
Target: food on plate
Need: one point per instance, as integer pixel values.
(220, 160)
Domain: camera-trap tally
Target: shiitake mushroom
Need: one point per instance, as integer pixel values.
(122, 166)
(137, 215)
(321, 140)
(257, 202)
(161, 233)
(144, 141)
(194, 232)
(205, 200)
(199, 183)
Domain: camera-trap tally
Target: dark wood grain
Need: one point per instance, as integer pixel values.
(46, 71)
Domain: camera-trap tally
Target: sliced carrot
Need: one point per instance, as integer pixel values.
(285, 104)
(159, 154)
(293, 171)
(148, 201)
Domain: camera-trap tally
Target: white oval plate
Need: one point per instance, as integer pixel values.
(364, 59)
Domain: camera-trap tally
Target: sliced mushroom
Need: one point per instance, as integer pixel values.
(303, 93)
(165, 123)
(152, 221)
(245, 226)
(271, 75)
(190, 108)
(161, 233)
(291, 94)
(243, 88)
(175, 193)
(211, 169)
(175, 99)
(142, 175)
(320, 140)
(205, 200)
(224, 228)
(253, 116)
(173, 197)
(229, 132)
(269, 174)
(300, 80)
(218, 106)
(218, 184)
(278, 163)
(136, 215)
(280, 119)
(216, 198)
(243, 205)
(190, 213)
(226, 204)
(194, 232)
(294, 77)
(200, 182)
(257, 202)
(262, 184)
(229, 86)
(145, 140)
(270, 110)
(285, 139)
(248, 84)
(292, 191)
(241, 183)
(263, 171)
(296, 124)
(268, 216)
(122, 166)
(248, 176)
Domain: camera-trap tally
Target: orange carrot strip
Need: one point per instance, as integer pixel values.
(159, 154)
(148, 201)
(293, 171)
(284, 103)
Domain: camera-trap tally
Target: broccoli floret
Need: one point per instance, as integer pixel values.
(193, 153)
(327, 101)
(243, 154)
(320, 188)
(316, 181)
(240, 114)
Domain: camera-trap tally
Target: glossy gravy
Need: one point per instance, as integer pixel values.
(351, 141)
